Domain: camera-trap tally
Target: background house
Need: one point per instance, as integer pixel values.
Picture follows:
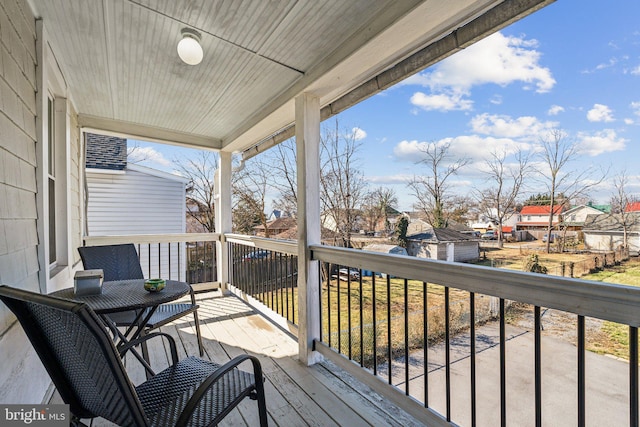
(443, 244)
(535, 219)
(605, 232)
(574, 218)
(125, 198)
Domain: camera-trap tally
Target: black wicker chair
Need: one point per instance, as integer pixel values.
(86, 368)
(121, 262)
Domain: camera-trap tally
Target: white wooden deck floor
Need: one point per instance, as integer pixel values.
(320, 395)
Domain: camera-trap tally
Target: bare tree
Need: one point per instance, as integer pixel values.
(282, 159)
(250, 184)
(431, 189)
(376, 207)
(558, 151)
(620, 202)
(200, 170)
(342, 185)
(506, 181)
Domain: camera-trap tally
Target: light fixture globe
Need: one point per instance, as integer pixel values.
(189, 48)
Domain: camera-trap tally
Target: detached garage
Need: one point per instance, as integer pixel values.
(605, 232)
(443, 244)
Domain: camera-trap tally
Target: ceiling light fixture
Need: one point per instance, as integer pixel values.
(189, 48)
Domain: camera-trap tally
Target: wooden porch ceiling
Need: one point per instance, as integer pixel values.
(124, 76)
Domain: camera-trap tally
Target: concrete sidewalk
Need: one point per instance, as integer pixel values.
(607, 381)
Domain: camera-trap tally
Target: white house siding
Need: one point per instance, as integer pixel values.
(135, 202)
(22, 376)
(611, 240)
(463, 251)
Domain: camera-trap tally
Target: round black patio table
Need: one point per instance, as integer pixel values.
(125, 295)
(128, 295)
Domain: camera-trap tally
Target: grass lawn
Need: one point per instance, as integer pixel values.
(614, 337)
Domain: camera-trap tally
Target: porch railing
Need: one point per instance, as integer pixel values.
(386, 318)
(189, 257)
(266, 270)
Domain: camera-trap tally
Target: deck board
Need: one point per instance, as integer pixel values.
(321, 395)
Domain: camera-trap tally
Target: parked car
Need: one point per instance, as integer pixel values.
(255, 255)
(489, 235)
(346, 274)
(553, 238)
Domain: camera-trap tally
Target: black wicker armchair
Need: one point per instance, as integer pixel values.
(79, 355)
(120, 262)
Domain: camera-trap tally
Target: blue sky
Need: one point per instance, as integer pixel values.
(574, 65)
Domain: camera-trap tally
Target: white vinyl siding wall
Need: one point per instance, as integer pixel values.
(135, 202)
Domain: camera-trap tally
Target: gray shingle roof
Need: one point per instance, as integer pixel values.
(106, 152)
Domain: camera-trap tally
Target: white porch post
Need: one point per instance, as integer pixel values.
(308, 162)
(223, 216)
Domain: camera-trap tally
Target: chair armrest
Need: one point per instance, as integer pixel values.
(172, 344)
(195, 399)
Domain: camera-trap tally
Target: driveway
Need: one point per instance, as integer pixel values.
(606, 381)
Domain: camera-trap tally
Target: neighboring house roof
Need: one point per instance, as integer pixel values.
(541, 210)
(601, 208)
(611, 222)
(277, 224)
(106, 152)
(441, 235)
(633, 207)
(386, 249)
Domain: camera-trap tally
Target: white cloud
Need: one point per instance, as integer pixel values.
(474, 147)
(390, 179)
(635, 71)
(358, 134)
(555, 110)
(441, 102)
(527, 127)
(635, 106)
(147, 155)
(497, 59)
(628, 121)
(604, 141)
(496, 100)
(600, 113)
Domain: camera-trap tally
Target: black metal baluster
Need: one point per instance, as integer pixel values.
(349, 310)
(633, 376)
(169, 255)
(149, 263)
(159, 260)
(361, 322)
(425, 328)
(375, 324)
(389, 352)
(447, 353)
(538, 364)
(503, 368)
(581, 373)
(273, 276)
(472, 339)
(406, 336)
(329, 302)
(339, 312)
(294, 260)
(286, 285)
(179, 264)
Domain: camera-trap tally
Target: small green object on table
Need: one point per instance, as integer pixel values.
(154, 285)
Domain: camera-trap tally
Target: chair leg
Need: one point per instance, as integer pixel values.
(197, 322)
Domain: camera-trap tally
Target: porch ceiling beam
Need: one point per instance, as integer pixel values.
(484, 25)
(147, 133)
